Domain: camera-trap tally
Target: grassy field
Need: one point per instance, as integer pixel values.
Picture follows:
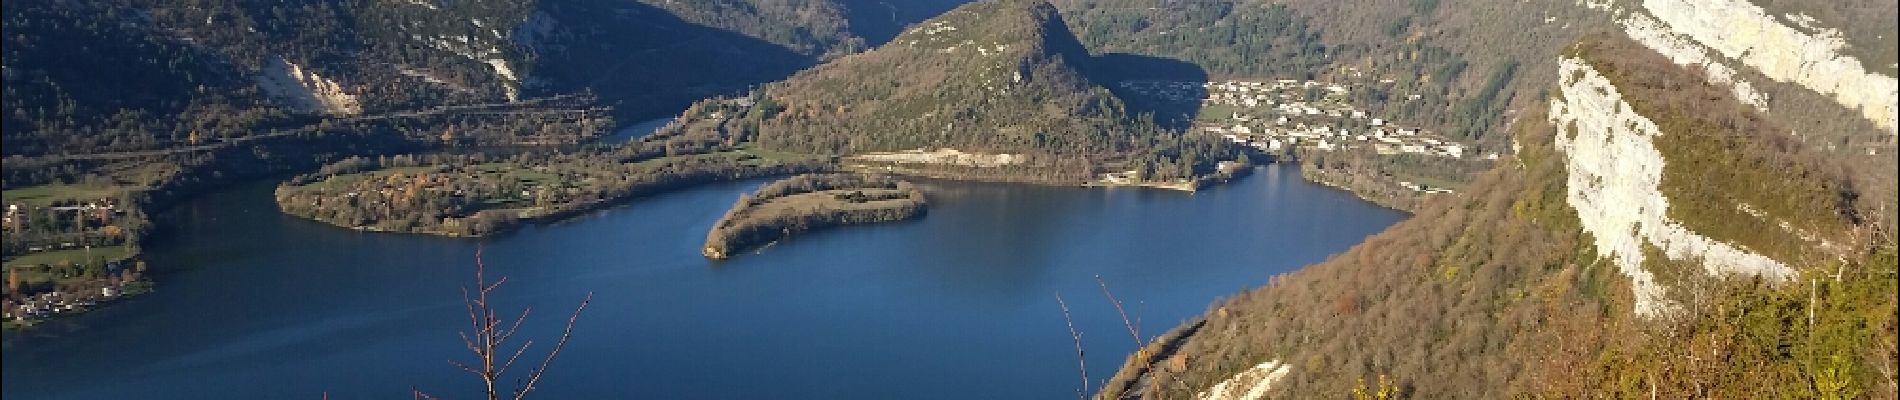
(751, 156)
(737, 155)
(351, 179)
(109, 253)
(825, 200)
(57, 257)
(524, 175)
(1215, 113)
(775, 155)
(44, 195)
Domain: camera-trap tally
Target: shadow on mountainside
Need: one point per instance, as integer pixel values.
(1168, 88)
(879, 21)
(645, 62)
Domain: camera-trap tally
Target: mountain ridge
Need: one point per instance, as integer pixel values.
(999, 78)
(1533, 291)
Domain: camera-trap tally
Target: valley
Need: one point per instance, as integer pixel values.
(1274, 199)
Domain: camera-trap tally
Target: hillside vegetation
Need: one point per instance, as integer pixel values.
(994, 77)
(808, 202)
(476, 195)
(128, 106)
(1500, 292)
(122, 74)
(1471, 69)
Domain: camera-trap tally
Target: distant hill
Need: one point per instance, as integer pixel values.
(1474, 64)
(85, 77)
(993, 77)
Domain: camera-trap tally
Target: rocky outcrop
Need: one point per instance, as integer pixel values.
(1250, 384)
(1614, 173)
(1743, 32)
(305, 91)
(1686, 51)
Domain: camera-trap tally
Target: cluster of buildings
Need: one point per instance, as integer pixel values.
(1422, 188)
(52, 303)
(1279, 138)
(102, 211)
(1286, 93)
(1278, 116)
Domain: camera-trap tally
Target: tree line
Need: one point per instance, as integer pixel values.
(809, 202)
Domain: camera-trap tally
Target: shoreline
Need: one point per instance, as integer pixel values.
(520, 220)
(788, 207)
(121, 292)
(558, 213)
(1188, 187)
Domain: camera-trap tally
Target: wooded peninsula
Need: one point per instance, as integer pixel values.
(809, 202)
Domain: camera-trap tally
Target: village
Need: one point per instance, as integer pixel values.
(1280, 116)
(64, 257)
(32, 308)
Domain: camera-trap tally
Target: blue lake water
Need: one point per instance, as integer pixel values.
(252, 304)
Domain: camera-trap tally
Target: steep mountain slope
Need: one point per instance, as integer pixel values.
(825, 29)
(140, 103)
(1473, 63)
(224, 69)
(82, 77)
(1645, 239)
(1006, 71)
(999, 78)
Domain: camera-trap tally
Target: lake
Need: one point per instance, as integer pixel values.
(960, 304)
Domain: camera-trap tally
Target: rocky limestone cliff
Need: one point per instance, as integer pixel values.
(1686, 51)
(304, 90)
(1638, 183)
(1711, 32)
(1614, 174)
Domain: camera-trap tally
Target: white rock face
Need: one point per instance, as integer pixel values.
(305, 91)
(1248, 385)
(1615, 172)
(1685, 51)
(1744, 32)
(508, 77)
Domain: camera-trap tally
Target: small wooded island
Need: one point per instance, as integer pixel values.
(811, 201)
(479, 195)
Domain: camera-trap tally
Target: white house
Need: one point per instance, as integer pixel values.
(1452, 150)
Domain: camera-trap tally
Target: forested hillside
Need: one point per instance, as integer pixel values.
(86, 77)
(1008, 71)
(121, 107)
(997, 77)
(1653, 236)
(1474, 65)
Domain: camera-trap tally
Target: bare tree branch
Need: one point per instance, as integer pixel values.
(487, 335)
(535, 375)
(1081, 362)
(1133, 331)
(512, 358)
